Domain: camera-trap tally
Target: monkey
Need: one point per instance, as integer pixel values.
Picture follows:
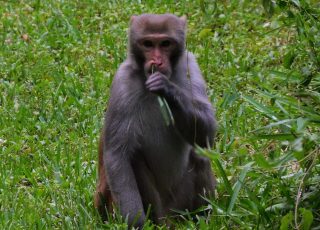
(143, 161)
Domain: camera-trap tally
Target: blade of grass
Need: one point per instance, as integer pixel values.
(274, 124)
(258, 106)
(238, 186)
(280, 137)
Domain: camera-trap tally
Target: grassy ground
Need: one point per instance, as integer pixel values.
(261, 62)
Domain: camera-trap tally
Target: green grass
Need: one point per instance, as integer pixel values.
(262, 65)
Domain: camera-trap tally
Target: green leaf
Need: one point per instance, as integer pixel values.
(238, 186)
(307, 218)
(202, 6)
(276, 124)
(288, 59)
(301, 124)
(223, 174)
(296, 2)
(308, 111)
(307, 79)
(286, 221)
(260, 107)
(204, 33)
(268, 7)
(299, 155)
(165, 111)
(291, 77)
(261, 161)
(257, 201)
(243, 151)
(280, 137)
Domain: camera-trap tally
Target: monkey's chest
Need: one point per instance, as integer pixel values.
(157, 136)
(165, 151)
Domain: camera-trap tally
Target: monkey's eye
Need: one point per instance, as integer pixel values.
(165, 43)
(147, 44)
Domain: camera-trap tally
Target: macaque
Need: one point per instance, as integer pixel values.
(144, 162)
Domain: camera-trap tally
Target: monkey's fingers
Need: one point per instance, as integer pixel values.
(156, 89)
(157, 76)
(155, 83)
(153, 80)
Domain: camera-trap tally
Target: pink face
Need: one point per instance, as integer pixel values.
(157, 50)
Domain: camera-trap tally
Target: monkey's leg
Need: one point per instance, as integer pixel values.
(149, 194)
(103, 199)
(204, 180)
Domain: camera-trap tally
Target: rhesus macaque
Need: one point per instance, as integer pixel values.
(143, 161)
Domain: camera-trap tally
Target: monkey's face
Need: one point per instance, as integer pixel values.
(157, 50)
(157, 42)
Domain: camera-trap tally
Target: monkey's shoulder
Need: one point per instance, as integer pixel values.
(127, 83)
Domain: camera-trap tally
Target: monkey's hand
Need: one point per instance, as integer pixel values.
(159, 84)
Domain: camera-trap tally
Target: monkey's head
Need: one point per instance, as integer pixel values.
(156, 41)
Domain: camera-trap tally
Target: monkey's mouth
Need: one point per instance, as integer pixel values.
(153, 68)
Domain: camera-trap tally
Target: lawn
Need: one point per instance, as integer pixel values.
(261, 61)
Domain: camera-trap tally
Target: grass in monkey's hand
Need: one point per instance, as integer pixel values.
(164, 107)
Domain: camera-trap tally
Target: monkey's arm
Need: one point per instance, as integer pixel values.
(124, 187)
(193, 113)
(120, 144)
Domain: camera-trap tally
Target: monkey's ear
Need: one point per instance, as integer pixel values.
(133, 17)
(184, 20)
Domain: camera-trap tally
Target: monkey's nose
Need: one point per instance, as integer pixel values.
(158, 62)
